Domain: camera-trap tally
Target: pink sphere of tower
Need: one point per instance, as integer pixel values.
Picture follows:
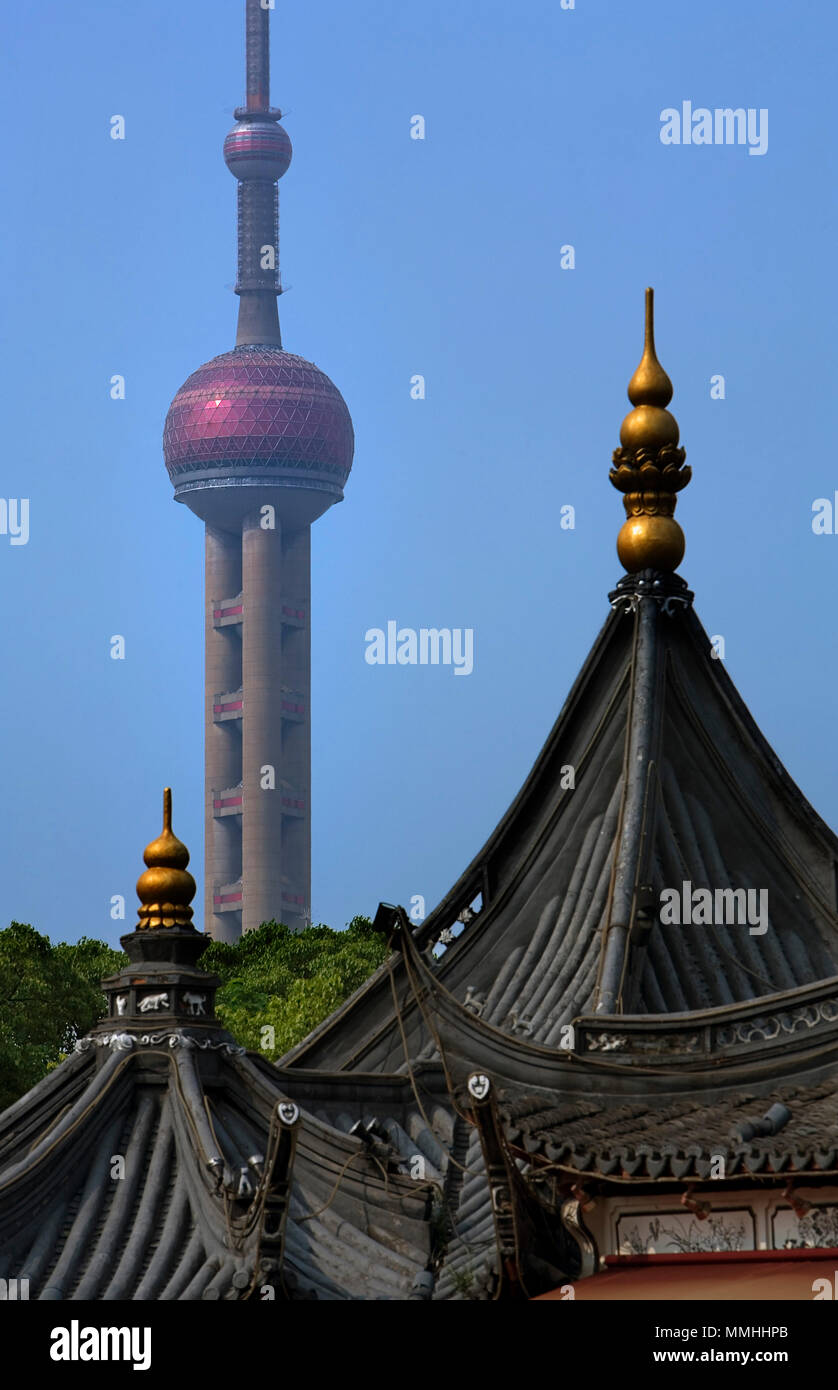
(258, 416)
(257, 150)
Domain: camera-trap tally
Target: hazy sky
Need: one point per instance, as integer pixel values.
(439, 257)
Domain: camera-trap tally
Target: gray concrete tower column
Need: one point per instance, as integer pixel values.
(262, 681)
(222, 742)
(296, 733)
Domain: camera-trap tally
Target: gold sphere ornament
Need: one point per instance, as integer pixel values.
(650, 543)
(648, 427)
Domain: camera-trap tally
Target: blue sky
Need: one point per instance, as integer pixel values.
(438, 257)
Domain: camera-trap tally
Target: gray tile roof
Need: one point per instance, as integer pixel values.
(720, 812)
(358, 1228)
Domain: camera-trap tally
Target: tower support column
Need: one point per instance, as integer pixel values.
(262, 684)
(222, 741)
(296, 737)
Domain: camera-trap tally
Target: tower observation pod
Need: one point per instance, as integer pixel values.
(258, 443)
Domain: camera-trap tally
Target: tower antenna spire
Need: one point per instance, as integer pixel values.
(257, 151)
(258, 57)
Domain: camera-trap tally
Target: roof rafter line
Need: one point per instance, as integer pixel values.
(549, 928)
(38, 1104)
(740, 715)
(191, 1275)
(779, 851)
(124, 1193)
(190, 1094)
(346, 1237)
(772, 767)
(373, 1268)
(563, 800)
(677, 968)
(751, 958)
(579, 920)
(197, 1179)
(574, 706)
(582, 903)
(642, 744)
(207, 1266)
(61, 1279)
(586, 919)
(102, 1092)
(679, 826)
(173, 1238)
(583, 992)
(144, 1224)
(214, 1279)
(33, 1260)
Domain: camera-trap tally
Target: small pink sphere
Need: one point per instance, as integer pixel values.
(257, 150)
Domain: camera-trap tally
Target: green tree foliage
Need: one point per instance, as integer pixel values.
(92, 960)
(290, 981)
(49, 996)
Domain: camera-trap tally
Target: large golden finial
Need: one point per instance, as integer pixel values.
(649, 466)
(166, 889)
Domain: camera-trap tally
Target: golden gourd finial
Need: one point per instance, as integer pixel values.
(649, 466)
(649, 425)
(166, 889)
(650, 385)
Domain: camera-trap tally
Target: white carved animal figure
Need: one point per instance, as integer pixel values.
(121, 1004)
(195, 1003)
(154, 1001)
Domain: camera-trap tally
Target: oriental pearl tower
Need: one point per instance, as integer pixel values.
(258, 443)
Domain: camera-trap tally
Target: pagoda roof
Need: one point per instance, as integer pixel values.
(191, 1213)
(655, 729)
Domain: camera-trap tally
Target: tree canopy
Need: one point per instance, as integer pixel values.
(49, 996)
(287, 982)
(277, 985)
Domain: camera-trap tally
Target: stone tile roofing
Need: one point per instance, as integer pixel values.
(676, 1136)
(173, 1227)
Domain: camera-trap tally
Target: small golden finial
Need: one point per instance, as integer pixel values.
(648, 466)
(649, 425)
(650, 385)
(166, 889)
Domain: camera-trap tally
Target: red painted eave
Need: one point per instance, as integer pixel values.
(725, 1276)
